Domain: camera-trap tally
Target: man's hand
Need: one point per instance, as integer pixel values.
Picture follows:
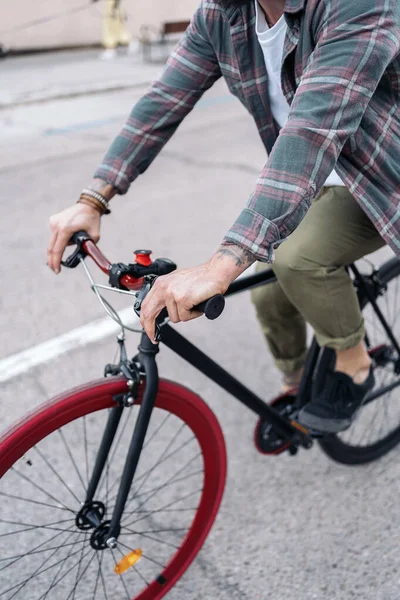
(64, 224)
(180, 291)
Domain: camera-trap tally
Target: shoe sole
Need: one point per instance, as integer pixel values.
(331, 425)
(324, 425)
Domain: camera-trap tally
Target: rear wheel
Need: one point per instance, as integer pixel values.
(47, 552)
(376, 429)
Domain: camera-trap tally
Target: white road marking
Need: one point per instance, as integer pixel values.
(24, 361)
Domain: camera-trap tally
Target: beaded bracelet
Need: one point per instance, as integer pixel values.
(89, 201)
(97, 196)
(95, 202)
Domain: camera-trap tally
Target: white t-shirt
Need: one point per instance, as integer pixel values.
(271, 42)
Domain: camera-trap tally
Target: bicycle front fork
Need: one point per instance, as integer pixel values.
(110, 533)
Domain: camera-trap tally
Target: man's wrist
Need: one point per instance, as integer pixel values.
(230, 261)
(103, 188)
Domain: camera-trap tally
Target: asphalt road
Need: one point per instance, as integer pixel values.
(303, 527)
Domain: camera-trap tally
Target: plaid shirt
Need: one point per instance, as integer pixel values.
(341, 77)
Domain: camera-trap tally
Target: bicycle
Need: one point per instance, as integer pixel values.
(99, 528)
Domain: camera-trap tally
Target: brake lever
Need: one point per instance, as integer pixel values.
(146, 287)
(79, 253)
(212, 308)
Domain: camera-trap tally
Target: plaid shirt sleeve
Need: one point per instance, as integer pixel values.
(191, 69)
(356, 41)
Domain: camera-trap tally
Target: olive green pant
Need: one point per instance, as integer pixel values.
(313, 285)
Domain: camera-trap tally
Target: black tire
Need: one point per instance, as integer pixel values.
(347, 447)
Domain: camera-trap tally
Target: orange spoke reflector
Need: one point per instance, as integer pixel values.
(128, 561)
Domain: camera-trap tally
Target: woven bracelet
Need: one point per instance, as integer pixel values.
(97, 196)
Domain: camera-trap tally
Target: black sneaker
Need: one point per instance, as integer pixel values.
(335, 406)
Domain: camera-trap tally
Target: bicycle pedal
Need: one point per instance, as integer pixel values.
(266, 439)
(317, 434)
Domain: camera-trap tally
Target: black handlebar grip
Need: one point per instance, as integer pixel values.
(80, 236)
(213, 307)
(74, 259)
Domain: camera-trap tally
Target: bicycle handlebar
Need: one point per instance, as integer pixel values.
(213, 307)
(85, 246)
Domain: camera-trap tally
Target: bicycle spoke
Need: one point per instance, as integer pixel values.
(141, 576)
(55, 472)
(68, 572)
(145, 513)
(385, 420)
(143, 556)
(77, 573)
(96, 584)
(85, 441)
(171, 503)
(20, 557)
(30, 527)
(32, 552)
(163, 530)
(52, 584)
(159, 510)
(152, 512)
(38, 487)
(156, 562)
(120, 577)
(154, 433)
(184, 478)
(157, 463)
(100, 561)
(155, 491)
(148, 537)
(163, 458)
(36, 573)
(81, 575)
(19, 498)
(72, 458)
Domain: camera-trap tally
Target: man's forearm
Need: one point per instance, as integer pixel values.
(230, 261)
(103, 188)
(191, 69)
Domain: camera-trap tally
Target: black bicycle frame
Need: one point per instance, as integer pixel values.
(291, 431)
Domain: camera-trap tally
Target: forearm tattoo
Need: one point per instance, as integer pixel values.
(242, 257)
(104, 188)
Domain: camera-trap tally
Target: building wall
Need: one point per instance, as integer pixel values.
(80, 22)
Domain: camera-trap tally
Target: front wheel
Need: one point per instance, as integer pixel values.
(376, 430)
(47, 551)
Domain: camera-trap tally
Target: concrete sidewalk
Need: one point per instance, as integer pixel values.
(43, 77)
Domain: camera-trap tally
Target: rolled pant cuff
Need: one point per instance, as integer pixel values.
(291, 365)
(342, 343)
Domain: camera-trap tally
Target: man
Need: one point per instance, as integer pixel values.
(322, 81)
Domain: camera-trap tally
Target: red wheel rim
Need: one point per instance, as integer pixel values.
(172, 397)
